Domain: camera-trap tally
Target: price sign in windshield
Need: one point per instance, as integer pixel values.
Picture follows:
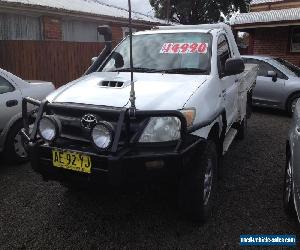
(184, 48)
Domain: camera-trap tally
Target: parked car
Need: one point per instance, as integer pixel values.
(291, 194)
(277, 84)
(12, 91)
(191, 90)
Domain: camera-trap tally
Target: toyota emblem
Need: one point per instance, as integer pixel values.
(88, 121)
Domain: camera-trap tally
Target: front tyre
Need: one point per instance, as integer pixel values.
(15, 149)
(198, 187)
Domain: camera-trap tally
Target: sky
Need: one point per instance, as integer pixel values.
(142, 6)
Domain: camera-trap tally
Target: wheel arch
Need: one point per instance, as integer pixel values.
(297, 92)
(217, 132)
(13, 121)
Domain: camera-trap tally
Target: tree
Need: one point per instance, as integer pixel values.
(197, 11)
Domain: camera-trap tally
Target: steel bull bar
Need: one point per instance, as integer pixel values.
(124, 117)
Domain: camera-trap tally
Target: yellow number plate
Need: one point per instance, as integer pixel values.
(72, 161)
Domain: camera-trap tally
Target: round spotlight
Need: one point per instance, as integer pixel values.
(48, 128)
(102, 135)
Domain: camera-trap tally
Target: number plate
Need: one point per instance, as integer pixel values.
(72, 161)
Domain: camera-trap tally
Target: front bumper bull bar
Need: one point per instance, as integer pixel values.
(130, 153)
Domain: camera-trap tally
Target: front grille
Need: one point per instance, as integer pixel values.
(72, 130)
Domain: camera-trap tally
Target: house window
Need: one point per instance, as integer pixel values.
(78, 31)
(295, 40)
(19, 27)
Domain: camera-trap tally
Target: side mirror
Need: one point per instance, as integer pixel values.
(272, 74)
(234, 66)
(94, 59)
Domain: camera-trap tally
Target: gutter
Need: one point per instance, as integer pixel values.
(265, 25)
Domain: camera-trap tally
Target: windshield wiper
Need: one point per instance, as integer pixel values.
(135, 69)
(183, 71)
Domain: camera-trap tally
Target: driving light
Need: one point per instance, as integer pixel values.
(102, 135)
(161, 129)
(48, 128)
(189, 115)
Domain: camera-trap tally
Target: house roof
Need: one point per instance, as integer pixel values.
(93, 7)
(265, 17)
(254, 2)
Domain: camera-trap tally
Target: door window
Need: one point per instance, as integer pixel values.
(223, 54)
(5, 86)
(264, 67)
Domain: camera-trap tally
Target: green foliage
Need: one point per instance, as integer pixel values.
(197, 11)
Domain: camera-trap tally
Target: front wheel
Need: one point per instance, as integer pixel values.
(15, 149)
(197, 188)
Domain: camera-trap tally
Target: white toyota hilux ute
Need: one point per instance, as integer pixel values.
(173, 118)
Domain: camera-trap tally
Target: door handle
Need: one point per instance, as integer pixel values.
(12, 103)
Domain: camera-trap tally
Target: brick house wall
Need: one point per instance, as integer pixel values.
(274, 42)
(272, 38)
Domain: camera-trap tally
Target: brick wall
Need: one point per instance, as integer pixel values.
(274, 42)
(51, 28)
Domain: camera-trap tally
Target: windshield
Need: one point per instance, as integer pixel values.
(289, 66)
(170, 53)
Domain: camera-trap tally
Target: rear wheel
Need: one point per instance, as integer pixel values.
(197, 188)
(15, 148)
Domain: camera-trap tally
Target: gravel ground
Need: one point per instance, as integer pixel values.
(36, 214)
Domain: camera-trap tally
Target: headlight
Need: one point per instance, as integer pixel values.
(102, 135)
(48, 128)
(161, 129)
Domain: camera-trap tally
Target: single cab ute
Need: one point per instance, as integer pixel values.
(191, 98)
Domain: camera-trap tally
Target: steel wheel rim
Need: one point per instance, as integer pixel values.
(19, 146)
(288, 182)
(208, 179)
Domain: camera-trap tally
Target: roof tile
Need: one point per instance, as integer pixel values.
(292, 14)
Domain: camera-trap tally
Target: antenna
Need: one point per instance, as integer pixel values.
(168, 11)
(132, 91)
